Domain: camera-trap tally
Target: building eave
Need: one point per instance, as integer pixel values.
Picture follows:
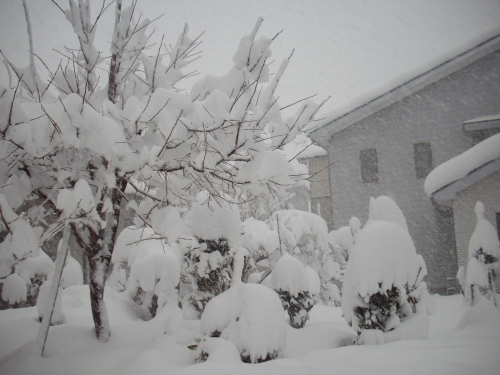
(325, 132)
(450, 191)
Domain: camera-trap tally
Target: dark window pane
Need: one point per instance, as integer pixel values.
(369, 165)
(423, 159)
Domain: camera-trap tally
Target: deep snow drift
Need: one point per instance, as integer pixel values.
(461, 340)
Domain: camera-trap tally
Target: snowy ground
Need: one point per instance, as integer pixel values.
(460, 341)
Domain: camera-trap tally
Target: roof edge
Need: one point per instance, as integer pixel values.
(451, 190)
(407, 88)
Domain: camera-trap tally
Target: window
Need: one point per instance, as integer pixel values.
(369, 165)
(423, 159)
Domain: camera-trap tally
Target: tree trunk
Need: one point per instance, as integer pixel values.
(98, 269)
(99, 263)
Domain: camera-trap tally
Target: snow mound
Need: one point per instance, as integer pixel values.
(384, 208)
(155, 270)
(218, 349)
(414, 327)
(41, 264)
(127, 240)
(251, 317)
(290, 275)
(14, 289)
(383, 256)
(72, 273)
(314, 281)
(343, 238)
(258, 237)
(211, 220)
(43, 299)
(483, 317)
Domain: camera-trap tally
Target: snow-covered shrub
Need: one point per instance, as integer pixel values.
(14, 290)
(248, 315)
(127, 240)
(383, 279)
(291, 281)
(342, 241)
(154, 276)
(484, 252)
(314, 284)
(216, 227)
(305, 236)
(261, 242)
(72, 273)
(20, 254)
(41, 304)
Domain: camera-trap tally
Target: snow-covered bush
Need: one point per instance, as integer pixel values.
(21, 256)
(72, 144)
(127, 240)
(292, 282)
(248, 315)
(484, 253)
(14, 290)
(383, 279)
(154, 276)
(261, 242)
(216, 227)
(305, 236)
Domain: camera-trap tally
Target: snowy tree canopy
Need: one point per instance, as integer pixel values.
(76, 141)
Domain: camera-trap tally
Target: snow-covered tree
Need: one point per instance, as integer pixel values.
(77, 140)
(484, 252)
(383, 280)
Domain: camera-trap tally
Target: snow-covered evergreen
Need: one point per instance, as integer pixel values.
(383, 284)
(484, 253)
(294, 285)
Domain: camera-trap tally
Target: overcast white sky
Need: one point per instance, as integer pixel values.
(349, 49)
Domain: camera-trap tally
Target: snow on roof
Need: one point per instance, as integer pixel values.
(463, 164)
(483, 119)
(483, 123)
(349, 49)
(302, 147)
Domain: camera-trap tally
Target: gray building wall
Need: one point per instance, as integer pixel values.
(434, 114)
